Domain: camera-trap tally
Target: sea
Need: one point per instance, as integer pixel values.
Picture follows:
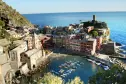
(116, 22)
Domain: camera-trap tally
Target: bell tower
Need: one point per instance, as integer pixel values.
(94, 18)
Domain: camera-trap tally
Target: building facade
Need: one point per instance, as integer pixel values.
(88, 47)
(5, 70)
(99, 43)
(15, 55)
(75, 45)
(31, 57)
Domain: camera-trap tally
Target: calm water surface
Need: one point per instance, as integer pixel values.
(84, 71)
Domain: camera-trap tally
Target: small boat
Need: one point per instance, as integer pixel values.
(78, 65)
(89, 60)
(98, 63)
(60, 66)
(61, 71)
(82, 63)
(73, 69)
(106, 68)
(55, 72)
(63, 76)
(93, 61)
(66, 67)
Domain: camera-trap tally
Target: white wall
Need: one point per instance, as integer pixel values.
(35, 57)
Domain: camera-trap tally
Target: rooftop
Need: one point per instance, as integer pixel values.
(31, 52)
(91, 39)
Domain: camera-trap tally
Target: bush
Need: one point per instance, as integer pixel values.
(49, 78)
(93, 33)
(116, 75)
(2, 23)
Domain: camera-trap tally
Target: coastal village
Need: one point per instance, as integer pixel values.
(33, 48)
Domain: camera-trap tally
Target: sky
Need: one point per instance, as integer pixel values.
(52, 6)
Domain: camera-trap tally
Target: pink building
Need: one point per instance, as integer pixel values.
(75, 45)
(89, 46)
(99, 43)
(90, 28)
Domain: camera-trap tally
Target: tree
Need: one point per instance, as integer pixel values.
(94, 33)
(116, 75)
(49, 78)
(76, 80)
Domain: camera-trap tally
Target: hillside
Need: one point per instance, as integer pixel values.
(11, 16)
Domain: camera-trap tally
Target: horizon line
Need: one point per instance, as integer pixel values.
(71, 12)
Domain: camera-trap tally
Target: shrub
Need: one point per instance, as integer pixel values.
(49, 78)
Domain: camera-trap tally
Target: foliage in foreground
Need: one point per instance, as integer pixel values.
(116, 75)
(52, 79)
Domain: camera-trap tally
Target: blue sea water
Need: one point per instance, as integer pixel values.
(116, 21)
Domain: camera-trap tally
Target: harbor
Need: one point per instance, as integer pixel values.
(67, 67)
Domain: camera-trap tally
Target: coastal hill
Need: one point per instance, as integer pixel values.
(11, 16)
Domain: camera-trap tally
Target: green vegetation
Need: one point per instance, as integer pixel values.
(116, 75)
(9, 15)
(76, 80)
(93, 33)
(52, 79)
(4, 33)
(96, 24)
(2, 23)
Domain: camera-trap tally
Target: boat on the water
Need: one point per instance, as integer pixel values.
(61, 71)
(55, 72)
(78, 65)
(91, 60)
(105, 67)
(97, 63)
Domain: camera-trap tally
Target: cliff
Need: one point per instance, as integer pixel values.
(11, 16)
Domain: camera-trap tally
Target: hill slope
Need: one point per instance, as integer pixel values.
(10, 15)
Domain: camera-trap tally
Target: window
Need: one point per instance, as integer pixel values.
(13, 56)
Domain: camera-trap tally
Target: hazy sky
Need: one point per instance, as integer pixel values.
(50, 6)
